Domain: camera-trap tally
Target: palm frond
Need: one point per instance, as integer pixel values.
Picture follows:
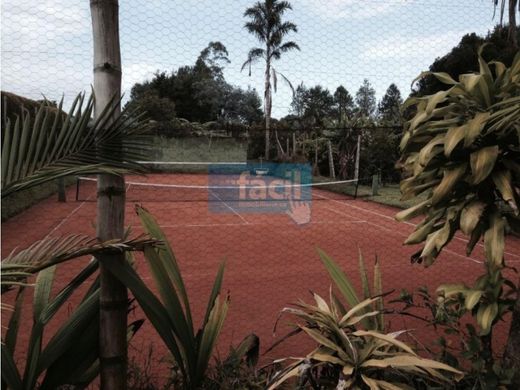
(282, 30)
(284, 78)
(256, 28)
(254, 55)
(37, 148)
(288, 46)
(18, 265)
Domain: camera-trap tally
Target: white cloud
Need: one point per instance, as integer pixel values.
(401, 47)
(352, 9)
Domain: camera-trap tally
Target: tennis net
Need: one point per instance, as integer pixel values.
(202, 188)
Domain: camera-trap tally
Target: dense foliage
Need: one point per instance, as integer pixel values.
(462, 148)
(463, 58)
(196, 93)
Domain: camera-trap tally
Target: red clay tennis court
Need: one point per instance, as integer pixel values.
(270, 260)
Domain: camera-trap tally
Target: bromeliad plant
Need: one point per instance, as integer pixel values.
(350, 357)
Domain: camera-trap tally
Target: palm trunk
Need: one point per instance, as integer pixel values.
(511, 35)
(111, 200)
(268, 105)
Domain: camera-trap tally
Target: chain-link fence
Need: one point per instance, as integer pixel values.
(338, 113)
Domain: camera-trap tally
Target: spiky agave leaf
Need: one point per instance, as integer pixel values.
(50, 144)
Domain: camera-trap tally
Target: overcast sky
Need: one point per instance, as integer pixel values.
(47, 44)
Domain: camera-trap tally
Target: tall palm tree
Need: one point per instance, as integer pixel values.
(265, 22)
(513, 5)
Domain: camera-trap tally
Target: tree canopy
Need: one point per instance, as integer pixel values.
(197, 93)
(463, 58)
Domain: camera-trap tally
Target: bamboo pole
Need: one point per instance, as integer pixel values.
(110, 201)
(358, 150)
(332, 173)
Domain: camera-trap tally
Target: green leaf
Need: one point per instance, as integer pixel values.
(482, 162)
(151, 306)
(210, 333)
(340, 279)
(486, 314)
(217, 285)
(472, 297)
(364, 276)
(151, 227)
(450, 178)
(410, 361)
(10, 373)
(494, 240)
(503, 182)
(453, 137)
(12, 328)
(470, 216)
(413, 211)
(474, 128)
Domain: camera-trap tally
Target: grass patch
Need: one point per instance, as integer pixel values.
(389, 194)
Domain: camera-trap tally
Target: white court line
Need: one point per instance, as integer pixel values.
(229, 207)
(394, 231)
(257, 224)
(405, 222)
(67, 217)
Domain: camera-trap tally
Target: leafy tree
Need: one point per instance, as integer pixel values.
(366, 99)
(463, 58)
(197, 93)
(344, 104)
(298, 100)
(389, 106)
(214, 57)
(267, 25)
(319, 104)
(160, 110)
(242, 106)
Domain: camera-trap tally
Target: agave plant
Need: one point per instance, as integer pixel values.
(170, 313)
(347, 357)
(462, 148)
(70, 357)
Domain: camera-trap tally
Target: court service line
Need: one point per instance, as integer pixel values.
(405, 222)
(405, 235)
(229, 207)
